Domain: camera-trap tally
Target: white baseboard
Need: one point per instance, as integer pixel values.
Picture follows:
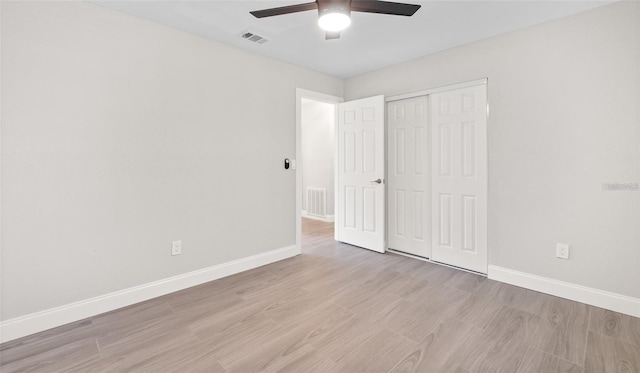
(51, 318)
(599, 298)
(327, 218)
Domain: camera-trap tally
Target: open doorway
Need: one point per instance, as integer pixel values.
(317, 166)
(315, 155)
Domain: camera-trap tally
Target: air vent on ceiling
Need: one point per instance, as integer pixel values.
(253, 37)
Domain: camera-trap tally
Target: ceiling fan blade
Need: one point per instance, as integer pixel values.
(332, 35)
(384, 7)
(284, 10)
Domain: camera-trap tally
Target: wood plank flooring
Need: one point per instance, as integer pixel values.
(338, 308)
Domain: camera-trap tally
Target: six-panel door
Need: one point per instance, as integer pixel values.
(360, 188)
(407, 165)
(459, 177)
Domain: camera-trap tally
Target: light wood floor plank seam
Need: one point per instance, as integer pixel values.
(586, 340)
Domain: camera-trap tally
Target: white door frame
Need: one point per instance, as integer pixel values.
(426, 92)
(315, 96)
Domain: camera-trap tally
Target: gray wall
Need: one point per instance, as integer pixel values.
(564, 118)
(120, 135)
(317, 122)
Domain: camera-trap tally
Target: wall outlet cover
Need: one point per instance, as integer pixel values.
(562, 250)
(176, 247)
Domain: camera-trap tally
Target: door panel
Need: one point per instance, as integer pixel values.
(360, 218)
(459, 185)
(408, 178)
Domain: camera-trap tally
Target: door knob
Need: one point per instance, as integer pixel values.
(377, 181)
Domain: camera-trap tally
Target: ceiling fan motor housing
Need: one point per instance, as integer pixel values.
(334, 6)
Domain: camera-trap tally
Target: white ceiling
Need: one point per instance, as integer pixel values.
(373, 41)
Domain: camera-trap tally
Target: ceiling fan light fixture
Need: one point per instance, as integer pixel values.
(334, 18)
(334, 21)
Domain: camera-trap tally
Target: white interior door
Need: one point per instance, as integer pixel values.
(360, 218)
(407, 184)
(459, 177)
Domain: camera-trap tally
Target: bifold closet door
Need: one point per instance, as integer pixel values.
(407, 167)
(458, 121)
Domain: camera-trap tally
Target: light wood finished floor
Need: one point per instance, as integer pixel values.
(338, 308)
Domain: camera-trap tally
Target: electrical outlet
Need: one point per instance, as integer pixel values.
(562, 250)
(176, 247)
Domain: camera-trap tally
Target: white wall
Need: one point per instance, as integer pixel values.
(121, 135)
(564, 118)
(318, 149)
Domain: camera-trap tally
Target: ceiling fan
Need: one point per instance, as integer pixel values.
(335, 15)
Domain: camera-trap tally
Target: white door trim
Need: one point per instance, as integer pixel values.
(316, 96)
(445, 88)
